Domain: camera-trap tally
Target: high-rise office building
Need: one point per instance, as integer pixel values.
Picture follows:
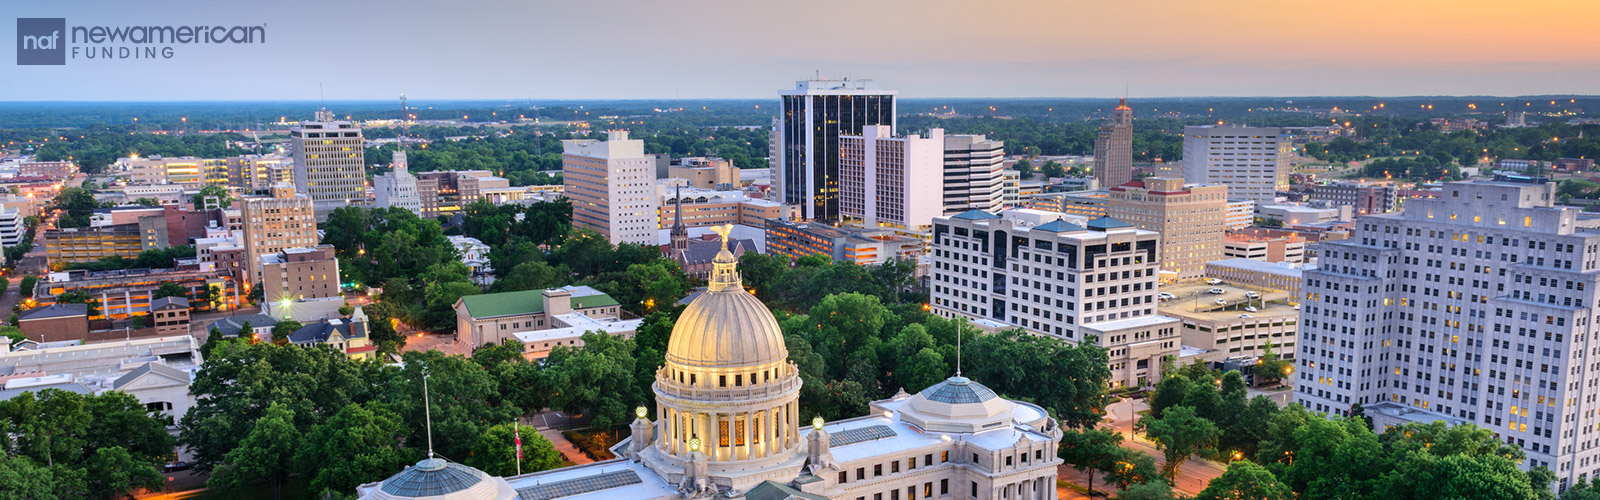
(397, 188)
(284, 219)
(972, 174)
(1061, 279)
(1252, 161)
(329, 162)
(1475, 306)
(1113, 148)
(889, 182)
(1191, 219)
(814, 115)
(612, 185)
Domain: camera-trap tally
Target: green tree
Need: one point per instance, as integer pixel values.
(118, 473)
(218, 192)
(1152, 490)
(762, 272)
(1581, 490)
(26, 480)
(1172, 391)
(1270, 370)
(282, 331)
(1130, 467)
(598, 377)
(1244, 480)
(1179, 433)
(1091, 450)
(1024, 169)
(266, 454)
(28, 283)
(466, 399)
(13, 333)
(357, 445)
(532, 275)
(1248, 427)
(495, 451)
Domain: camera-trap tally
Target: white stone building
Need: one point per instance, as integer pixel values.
(1059, 279)
(1252, 161)
(397, 188)
(612, 185)
(888, 182)
(727, 427)
(972, 178)
(1472, 307)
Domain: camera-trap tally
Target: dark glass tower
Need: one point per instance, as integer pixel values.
(813, 116)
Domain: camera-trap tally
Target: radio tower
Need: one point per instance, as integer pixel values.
(405, 121)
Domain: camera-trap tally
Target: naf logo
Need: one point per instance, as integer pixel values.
(41, 41)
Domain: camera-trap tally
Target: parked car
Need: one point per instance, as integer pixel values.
(1216, 291)
(1252, 295)
(1213, 282)
(1222, 302)
(1166, 296)
(1250, 308)
(177, 466)
(1244, 315)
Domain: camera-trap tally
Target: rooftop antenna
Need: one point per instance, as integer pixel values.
(427, 410)
(405, 125)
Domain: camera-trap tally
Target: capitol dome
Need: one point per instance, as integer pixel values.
(726, 327)
(957, 404)
(437, 479)
(727, 390)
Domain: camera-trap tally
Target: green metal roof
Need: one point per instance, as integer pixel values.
(490, 305)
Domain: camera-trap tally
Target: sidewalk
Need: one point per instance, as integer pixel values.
(567, 449)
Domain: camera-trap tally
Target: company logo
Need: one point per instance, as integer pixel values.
(41, 41)
(49, 42)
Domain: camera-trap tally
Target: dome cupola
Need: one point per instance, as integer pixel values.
(957, 405)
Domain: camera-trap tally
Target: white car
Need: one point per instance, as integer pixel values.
(1213, 282)
(1166, 296)
(1250, 308)
(1216, 291)
(1252, 295)
(1222, 302)
(1244, 315)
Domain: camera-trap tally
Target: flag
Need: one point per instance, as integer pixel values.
(516, 431)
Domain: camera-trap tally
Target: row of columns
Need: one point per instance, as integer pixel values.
(763, 434)
(1043, 488)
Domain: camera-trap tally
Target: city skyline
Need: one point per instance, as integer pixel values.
(1013, 49)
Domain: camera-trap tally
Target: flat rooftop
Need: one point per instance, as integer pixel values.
(1195, 301)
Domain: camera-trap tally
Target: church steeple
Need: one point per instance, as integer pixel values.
(680, 234)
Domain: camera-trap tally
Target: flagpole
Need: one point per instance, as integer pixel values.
(516, 430)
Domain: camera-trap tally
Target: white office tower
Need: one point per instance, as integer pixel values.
(972, 174)
(329, 162)
(1252, 161)
(1060, 279)
(813, 116)
(398, 188)
(612, 185)
(891, 182)
(1472, 307)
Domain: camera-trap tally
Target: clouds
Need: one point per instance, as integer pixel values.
(748, 49)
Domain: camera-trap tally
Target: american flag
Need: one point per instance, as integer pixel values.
(516, 431)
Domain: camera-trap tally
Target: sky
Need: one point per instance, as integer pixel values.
(693, 49)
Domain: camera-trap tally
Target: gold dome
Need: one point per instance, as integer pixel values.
(726, 327)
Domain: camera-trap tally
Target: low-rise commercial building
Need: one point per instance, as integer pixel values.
(170, 316)
(1241, 214)
(798, 239)
(295, 274)
(705, 172)
(704, 207)
(1280, 248)
(1092, 203)
(493, 317)
(55, 322)
(1260, 275)
(57, 170)
(1363, 198)
(126, 292)
(1291, 215)
(1239, 327)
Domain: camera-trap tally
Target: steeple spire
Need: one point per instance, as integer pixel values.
(680, 234)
